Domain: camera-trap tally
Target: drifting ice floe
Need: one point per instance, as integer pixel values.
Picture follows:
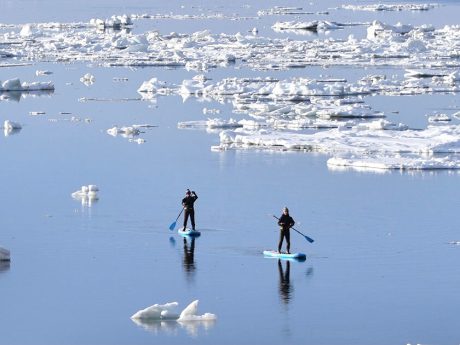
(10, 127)
(390, 149)
(115, 22)
(386, 7)
(129, 132)
(4, 254)
(87, 194)
(439, 118)
(167, 312)
(16, 85)
(394, 162)
(315, 25)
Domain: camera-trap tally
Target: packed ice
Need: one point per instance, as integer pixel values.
(325, 114)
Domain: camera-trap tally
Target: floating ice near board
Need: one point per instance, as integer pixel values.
(167, 312)
(4, 254)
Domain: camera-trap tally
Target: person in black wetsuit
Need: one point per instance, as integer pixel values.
(285, 222)
(187, 203)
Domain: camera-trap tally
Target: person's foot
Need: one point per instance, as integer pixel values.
(183, 229)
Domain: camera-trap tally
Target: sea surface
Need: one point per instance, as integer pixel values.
(384, 267)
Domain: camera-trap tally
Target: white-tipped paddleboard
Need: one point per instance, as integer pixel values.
(275, 254)
(189, 232)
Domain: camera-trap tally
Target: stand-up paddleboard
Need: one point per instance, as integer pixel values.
(275, 254)
(189, 232)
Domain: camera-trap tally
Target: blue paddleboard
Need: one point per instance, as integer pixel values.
(189, 232)
(275, 254)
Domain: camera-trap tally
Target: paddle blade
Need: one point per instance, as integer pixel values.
(172, 226)
(309, 239)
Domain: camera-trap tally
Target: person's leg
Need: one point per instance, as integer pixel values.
(280, 242)
(192, 218)
(288, 240)
(186, 214)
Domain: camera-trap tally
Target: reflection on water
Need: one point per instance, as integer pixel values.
(192, 328)
(285, 287)
(18, 95)
(172, 241)
(11, 131)
(188, 262)
(4, 266)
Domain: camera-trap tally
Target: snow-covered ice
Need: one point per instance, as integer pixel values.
(168, 312)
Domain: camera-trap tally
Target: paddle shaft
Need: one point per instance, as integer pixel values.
(309, 239)
(182, 210)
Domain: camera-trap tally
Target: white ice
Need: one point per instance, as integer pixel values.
(87, 194)
(388, 7)
(16, 85)
(167, 312)
(10, 127)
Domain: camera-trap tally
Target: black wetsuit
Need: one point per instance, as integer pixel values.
(188, 202)
(285, 222)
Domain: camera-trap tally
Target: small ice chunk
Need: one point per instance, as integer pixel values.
(439, 118)
(191, 311)
(158, 312)
(10, 125)
(39, 72)
(88, 79)
(93, 188)
(26, 31)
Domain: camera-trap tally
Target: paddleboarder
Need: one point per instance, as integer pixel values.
(285, 222)
(189, 211)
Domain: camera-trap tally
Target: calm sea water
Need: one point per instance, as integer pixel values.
(381, 270)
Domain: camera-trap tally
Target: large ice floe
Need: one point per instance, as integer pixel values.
(165, 316)
(13, 89)
(338, 120)
(390, 7)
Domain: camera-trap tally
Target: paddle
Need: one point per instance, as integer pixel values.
(173, 224)
(309, 239)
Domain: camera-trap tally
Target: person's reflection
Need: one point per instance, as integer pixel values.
(189, 261)
(4, 266)
(285, 287)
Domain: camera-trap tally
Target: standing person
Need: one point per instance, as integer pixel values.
(187, 203)
(285, 222)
